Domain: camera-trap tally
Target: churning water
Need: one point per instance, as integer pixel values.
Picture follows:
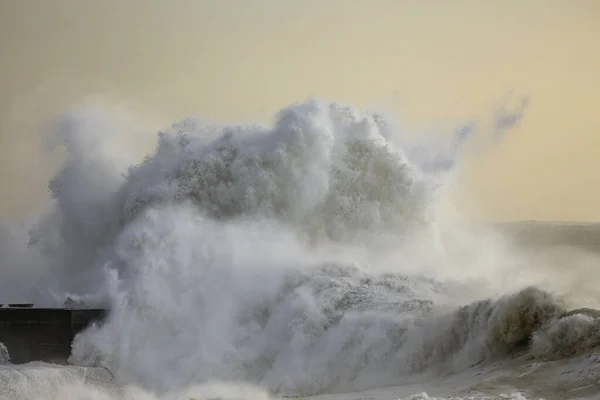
(311, 258)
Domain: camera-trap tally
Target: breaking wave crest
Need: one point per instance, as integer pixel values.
(309, 257)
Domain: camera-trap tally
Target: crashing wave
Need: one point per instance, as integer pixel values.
(303, 257)
(323, 168)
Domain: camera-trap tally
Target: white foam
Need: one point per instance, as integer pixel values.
(63, 384)
(308, 257)
(42, 380)
(4, 355)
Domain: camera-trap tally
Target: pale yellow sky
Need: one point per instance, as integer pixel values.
(245, 59)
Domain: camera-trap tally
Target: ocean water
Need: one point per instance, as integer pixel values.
(318, 257)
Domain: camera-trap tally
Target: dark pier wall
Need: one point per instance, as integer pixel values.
(43, 334)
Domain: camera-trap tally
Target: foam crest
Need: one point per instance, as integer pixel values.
(566, 337)
(323, 169)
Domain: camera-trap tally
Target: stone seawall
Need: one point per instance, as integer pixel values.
(43, 334)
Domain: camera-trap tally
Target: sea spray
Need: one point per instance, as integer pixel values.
(4, 355)
(324, 171)
(305, 257)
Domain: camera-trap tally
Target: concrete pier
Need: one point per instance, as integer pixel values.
(43, 334)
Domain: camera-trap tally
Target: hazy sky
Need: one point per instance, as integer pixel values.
(245, 59)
